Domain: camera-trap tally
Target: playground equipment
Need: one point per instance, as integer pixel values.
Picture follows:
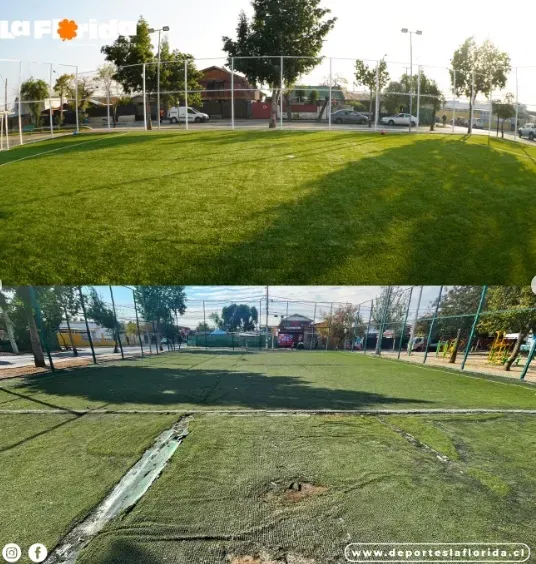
(500, 349)
(446, 348)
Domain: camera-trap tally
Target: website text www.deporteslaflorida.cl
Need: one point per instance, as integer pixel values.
(437, 552)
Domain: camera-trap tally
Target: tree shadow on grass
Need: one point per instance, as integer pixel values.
(201, 388)
(421, 212)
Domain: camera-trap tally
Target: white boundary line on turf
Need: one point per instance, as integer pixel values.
(60, 148)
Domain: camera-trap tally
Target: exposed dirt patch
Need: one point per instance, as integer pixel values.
(294, 492)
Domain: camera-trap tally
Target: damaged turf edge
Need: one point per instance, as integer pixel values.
(132, 486)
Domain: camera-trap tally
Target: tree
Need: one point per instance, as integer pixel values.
(218, 321)
(341, 325)
(69, 300)
(61, 87)
(33, 92)
(24, 293)
(103, 315)
(202, 327)
(293, 27)
(81, 92)
(365, 75)
(4, 315)
(430, 93)
(478, 68)
(394, 97)
(314, 96)
(519, 302)
(504, 110)
(131, 332)
(239, 317)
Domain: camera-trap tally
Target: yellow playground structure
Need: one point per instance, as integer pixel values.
(500, 349)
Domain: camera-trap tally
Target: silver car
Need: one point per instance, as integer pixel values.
(399, 119)
(528, 130)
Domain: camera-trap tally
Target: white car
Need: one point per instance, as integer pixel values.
(528, 130)
(179, 114)
(399, 119)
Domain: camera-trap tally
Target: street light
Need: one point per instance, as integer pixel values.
(152, 30)
(417, 32)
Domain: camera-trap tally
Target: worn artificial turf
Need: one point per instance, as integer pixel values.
(293, 380)
(268, 207)
(225, 495)
(55, 468)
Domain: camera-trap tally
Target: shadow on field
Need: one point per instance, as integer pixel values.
(122, 551)
(450, 219)
(198, 387)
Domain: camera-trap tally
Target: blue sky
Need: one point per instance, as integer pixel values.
(198, 27)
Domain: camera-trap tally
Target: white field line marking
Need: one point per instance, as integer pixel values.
(60, 149)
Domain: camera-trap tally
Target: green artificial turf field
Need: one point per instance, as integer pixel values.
(226, 495)
(268, 207)
(268, 489)
(293, 380)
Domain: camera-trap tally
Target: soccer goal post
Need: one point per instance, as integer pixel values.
(4, 131)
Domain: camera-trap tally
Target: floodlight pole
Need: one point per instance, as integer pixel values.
(89, 338)
(158, 83)
(410, 78)
(473, 328)
(144, 99)
(432, 325)
(117, 324)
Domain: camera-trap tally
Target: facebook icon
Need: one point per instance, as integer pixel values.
(37, 552)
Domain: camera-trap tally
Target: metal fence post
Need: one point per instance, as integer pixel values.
(117, 324)
(232, 96)
(144, 98)
(529, 358)
(329, 326)
(20, 103)
(108, 106)
(356, 325)
(50, 112)
(473, 327)
(418, 96)
(368, 326)
(377, 101)
(89, 338)
(186, 93)
(77, 114)
(473, 101)
(40, 325)
(454, 100)
(281, 114)
(414, 326)
(490, 107)
(432, 325)
(313, 333)
(382, 323)
(405, 323)
(205, 323)
(137, 323)
(517, 107)
(330, 90)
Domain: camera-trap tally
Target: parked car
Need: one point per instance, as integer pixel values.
(348, 116)
(528, 130)
(478, 123)
(179, 114)
(399, 119)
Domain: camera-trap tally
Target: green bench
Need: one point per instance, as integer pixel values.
(28, 128)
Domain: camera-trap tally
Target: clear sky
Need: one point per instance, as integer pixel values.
(197, 28)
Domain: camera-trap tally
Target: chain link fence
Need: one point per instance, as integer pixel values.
(215, 93)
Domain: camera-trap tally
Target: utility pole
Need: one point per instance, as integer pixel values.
(266, 317)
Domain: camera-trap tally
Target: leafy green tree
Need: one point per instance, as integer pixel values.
(63, 86)
(24, 294)
(218, 321)
(239, 317)
(390, 309)
(430, 93)
(202, 327)
(69, 301)
(341, 325)
(394, 97)
(34, 92)
(484, 63)
(365, 75)
(504, 110)
(99, 311)
(293, 27)
(314, 96)
(519, 302)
